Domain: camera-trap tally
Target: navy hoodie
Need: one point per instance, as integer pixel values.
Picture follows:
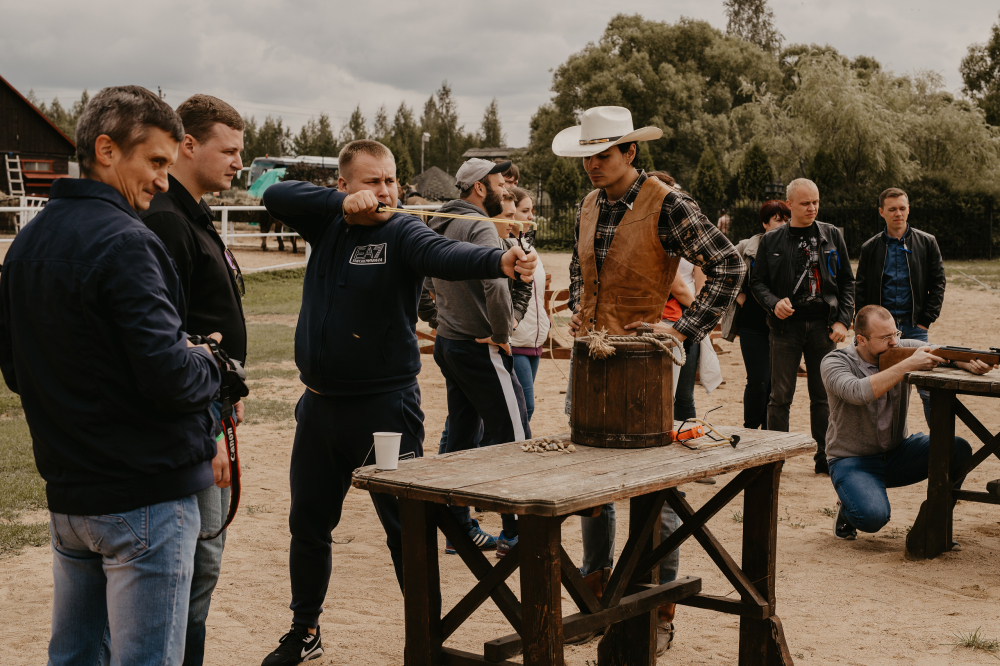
(91, 337)
(357, 328)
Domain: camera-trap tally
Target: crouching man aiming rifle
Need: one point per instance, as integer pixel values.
(868, 446)
(356, 349)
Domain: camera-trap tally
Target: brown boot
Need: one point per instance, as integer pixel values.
(665, 628)
(597, 581)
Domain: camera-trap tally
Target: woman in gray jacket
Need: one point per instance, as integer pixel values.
(746, 318)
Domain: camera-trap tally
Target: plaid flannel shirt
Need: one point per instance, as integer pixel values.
(684, 231)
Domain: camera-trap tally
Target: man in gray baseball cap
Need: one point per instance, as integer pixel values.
(472, 347)
(488, 196)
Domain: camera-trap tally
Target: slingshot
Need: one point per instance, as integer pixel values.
(523, 242)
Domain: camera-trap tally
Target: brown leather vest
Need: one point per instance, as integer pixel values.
(634, 283)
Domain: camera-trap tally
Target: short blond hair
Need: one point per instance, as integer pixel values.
(362, 147)
(796, 184)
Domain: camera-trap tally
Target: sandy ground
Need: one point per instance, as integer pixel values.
(841, 602)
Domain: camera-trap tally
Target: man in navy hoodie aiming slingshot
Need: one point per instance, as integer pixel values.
(356, 349)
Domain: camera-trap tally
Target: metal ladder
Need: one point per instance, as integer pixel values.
(13, 165)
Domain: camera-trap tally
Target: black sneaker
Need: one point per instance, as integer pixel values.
(296, 646)
(822, 467)
(841, 528)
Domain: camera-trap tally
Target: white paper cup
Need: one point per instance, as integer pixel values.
(387, 449)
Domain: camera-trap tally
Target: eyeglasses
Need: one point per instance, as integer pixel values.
(885, 338)
(234, 268)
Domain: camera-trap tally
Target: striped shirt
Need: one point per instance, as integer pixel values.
(684, 231)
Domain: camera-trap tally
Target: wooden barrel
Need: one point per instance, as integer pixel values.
(624, 401)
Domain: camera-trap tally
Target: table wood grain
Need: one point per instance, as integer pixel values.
(505, 479)
(956, 379)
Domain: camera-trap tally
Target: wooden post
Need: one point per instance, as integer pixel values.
(762, 642)
(939, 483)
(633, 642)
(422, 584)
(541, 590)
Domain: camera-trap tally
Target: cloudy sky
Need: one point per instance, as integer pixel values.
(297, 59)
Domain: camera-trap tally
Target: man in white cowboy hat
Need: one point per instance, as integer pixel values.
(651, 224)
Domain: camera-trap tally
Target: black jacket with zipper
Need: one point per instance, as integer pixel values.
(774, 273)
(927, 281)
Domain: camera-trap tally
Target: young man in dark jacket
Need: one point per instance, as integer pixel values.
(356, 349)
(92, 338)
(901, 270)
(207, 160)
(803, 279)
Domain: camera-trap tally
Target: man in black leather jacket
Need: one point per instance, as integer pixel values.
(901, 270)
(803, 279)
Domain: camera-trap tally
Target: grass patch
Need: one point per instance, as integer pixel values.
(269, 343)
(268, 410)
(975, 641)
(257, 373)
(273, 292)
(10, 402)
(737, 516)
(21, 487)
(14, 537)
(828, 512)
(974, 273)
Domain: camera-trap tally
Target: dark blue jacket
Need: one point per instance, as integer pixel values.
(357, 327)
(91, 337)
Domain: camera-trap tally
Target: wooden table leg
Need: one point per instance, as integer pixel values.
(762, 642)
(931, 532)
(633, 641)
(422, 584)
(541, 590)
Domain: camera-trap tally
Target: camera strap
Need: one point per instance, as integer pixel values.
(233, 386)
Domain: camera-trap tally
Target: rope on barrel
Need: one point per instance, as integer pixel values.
(603, 345)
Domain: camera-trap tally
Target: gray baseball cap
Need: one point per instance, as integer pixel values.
(477, 169)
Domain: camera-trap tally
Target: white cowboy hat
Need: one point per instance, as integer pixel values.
(600, 128)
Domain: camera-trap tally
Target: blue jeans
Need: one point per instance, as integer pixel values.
(861, 482)
(122, 584)
(526, 368)
(756, 349)
(599, 542)
(911, 332)
(213, 505)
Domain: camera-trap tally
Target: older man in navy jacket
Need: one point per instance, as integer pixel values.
(91, 337)
(356, 349)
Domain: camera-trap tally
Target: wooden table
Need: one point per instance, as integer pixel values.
(545, 489)
(931, 533)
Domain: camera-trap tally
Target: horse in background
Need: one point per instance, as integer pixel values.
(267, 222)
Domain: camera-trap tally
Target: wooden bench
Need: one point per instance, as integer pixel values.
(544, 490)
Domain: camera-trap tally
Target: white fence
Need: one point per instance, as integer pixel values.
(31, 206)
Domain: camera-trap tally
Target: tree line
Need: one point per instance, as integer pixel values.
(739, 110)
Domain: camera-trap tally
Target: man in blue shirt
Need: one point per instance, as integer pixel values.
(901, 270)
(356, 349)
(92, 337)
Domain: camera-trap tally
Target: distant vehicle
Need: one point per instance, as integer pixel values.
(263, 164)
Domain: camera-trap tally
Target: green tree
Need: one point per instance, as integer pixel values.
(354, 129)
(270, 138)
(980, 71)
(754, 173)
(448, 139)
(826, 174)
(753, 21)
(564, 182)
(315, 138)
(685, 78)
(645, 158)
(708, 186)
(404, 170)
(63, 118)
(491, 132)
(405, 135)
(381, 129)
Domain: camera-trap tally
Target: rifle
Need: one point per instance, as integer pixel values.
(891, 357)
